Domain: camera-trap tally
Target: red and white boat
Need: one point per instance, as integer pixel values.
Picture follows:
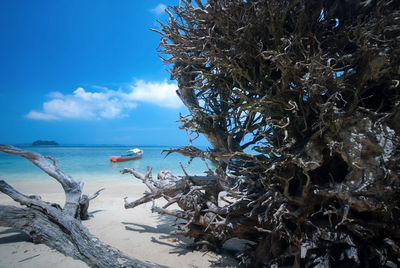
(130, 155)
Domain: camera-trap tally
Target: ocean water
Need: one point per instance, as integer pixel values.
(91, 164)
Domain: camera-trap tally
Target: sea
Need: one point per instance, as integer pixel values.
(91, 164)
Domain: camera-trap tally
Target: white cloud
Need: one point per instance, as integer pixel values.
(159, 93)
(106, 103)
(82, 104)
(40, 116)
(159, 9)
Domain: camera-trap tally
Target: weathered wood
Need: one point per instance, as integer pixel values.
(313, 86)
(59, 228)
(84, 204)
(167, 185)
(72, 188)
(60, 231)
(190, 193)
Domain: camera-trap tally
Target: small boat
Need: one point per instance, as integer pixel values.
(130, 155)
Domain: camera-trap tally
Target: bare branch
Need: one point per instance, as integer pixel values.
(72, 188)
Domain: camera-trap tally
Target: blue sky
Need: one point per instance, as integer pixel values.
(86, 72)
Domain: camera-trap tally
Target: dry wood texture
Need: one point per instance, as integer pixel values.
(312, 87)
(60, 228)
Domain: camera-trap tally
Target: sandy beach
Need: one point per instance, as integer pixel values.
(137, 232)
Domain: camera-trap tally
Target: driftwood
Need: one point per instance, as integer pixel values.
(72, 188)
(60, 228)
(84, 204)
(312, 88)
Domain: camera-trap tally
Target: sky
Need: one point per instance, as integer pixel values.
(86, 72)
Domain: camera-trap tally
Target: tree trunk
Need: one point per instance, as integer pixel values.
(60, 228)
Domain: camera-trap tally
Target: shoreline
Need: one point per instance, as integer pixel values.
(137, 232)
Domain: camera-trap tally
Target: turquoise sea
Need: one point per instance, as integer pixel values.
(91, 164)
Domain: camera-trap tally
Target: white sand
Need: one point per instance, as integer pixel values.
(137, 232)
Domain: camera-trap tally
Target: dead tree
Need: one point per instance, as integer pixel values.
(300, 103)
(60, 228)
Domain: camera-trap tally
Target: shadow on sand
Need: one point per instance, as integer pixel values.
(179, 244)
(13, 235)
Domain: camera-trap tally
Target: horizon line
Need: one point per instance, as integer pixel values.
(98, 145)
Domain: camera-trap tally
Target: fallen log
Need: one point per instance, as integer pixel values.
(60, 228)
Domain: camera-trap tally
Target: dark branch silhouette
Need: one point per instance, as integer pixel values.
(312, 87)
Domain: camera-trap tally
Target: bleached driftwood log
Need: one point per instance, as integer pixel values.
(60, 228)
(72, 188)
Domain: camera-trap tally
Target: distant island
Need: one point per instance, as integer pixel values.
(44, 143)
